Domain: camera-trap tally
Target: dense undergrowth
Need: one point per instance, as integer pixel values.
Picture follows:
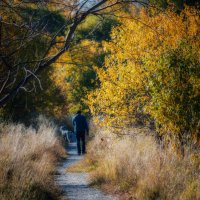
(136, 164)
(28, 159)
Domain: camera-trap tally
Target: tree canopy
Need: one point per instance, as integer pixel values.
(151, 73)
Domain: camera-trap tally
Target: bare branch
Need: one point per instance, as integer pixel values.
(24, 32)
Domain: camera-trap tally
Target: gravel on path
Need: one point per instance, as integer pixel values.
(76, 185)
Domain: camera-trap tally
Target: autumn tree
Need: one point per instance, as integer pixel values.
(25, 30)
(74, 73)
(30, 26)
(179, 4)
(151, 74)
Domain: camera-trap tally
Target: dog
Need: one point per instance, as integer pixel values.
(65, 134)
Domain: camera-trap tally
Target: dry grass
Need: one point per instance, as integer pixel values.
(139, 166)
(28, 160)
(83, 166)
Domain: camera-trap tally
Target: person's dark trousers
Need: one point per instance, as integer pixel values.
(80, 136)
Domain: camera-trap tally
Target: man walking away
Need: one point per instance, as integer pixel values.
(80, 128)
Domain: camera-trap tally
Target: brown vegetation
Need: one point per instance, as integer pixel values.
(28, 160)
(138, 166)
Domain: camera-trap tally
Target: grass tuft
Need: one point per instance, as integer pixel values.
(136, 164)
(28, 159)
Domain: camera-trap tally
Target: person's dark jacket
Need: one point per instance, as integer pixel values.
(80, 124)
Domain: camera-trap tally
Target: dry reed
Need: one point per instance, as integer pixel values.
(138, 165)
(28, 159)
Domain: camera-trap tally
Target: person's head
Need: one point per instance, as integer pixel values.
(78, 112)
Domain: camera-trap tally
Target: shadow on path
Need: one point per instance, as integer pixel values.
(76, 185)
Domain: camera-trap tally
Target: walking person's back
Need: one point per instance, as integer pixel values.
(80, 129)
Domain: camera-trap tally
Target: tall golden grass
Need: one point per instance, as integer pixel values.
(138, 165)
(28, 159)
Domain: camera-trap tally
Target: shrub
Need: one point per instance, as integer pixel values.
(151, 74)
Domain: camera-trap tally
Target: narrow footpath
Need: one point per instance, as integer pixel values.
(75, 185)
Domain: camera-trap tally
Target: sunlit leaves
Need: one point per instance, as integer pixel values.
(74, 73)
(151, 73)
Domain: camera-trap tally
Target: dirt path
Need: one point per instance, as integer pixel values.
(75, 185)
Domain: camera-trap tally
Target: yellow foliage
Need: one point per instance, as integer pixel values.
(140, 79)
(73, 70)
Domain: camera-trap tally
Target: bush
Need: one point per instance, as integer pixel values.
(151, 75)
